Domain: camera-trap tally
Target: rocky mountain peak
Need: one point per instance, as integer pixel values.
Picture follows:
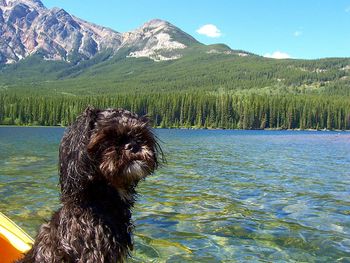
(156, 23)
(158, 40)
(29, 3)
(28, 27)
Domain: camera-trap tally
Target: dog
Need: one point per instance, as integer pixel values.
(102, 157)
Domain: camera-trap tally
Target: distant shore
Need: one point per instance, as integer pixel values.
(194, 128)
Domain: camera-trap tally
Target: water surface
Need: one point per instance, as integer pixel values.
(223, 196)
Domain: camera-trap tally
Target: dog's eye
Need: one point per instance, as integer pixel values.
(123, 140)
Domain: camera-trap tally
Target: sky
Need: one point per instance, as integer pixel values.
(302, 29)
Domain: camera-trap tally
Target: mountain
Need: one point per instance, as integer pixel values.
(49, 52)
(27, 27)
(158, 40)
(53, 65)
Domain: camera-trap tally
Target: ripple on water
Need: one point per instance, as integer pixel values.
(224, 196)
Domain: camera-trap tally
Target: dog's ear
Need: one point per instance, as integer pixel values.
(90, 111)
(90, 114)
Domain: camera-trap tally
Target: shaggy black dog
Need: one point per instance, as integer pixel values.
(102, 157)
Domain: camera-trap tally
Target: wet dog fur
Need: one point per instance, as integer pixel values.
(102, 157)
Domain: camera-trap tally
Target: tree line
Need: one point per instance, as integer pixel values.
(188, 110)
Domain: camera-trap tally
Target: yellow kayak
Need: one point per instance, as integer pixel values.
(13, 240)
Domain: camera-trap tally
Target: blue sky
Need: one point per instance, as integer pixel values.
(279, 28)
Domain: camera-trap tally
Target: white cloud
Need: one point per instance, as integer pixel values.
(277, 55)
(209, 30)
(298, 33)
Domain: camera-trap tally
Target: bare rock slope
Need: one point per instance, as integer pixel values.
(28, 27)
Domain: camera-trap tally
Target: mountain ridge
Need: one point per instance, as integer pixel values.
(63, 54)
(28, 27)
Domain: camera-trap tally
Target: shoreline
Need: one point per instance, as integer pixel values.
(191, 128)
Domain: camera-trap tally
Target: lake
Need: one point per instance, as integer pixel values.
(223, 196)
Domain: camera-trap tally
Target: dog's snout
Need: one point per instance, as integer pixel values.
(132, 146)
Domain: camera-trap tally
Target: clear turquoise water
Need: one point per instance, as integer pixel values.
(223, 196)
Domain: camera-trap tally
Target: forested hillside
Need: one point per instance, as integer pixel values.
(199, 71)
(204, 89)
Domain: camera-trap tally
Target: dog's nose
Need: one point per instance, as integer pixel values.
(132, 146)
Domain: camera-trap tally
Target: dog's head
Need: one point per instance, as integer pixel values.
(123, 146)
(113, 144)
